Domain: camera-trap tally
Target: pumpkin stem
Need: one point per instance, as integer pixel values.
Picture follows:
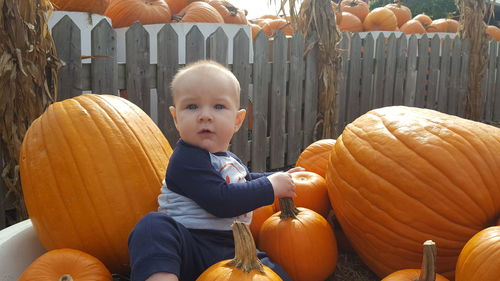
(428, 272)
(288, 209)
(245, 257)
(66, 277)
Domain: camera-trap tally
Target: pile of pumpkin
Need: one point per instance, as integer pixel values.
(91, 167)
(355, 16)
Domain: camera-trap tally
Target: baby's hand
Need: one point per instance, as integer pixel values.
(295, 169)
(283, 185)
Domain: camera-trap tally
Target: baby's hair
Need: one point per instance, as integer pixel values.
(203, 64)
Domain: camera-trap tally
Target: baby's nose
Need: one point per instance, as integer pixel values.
(205, 115)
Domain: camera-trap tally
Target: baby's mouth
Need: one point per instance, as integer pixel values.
(205, 132)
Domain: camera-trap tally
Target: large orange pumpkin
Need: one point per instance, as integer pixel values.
(405, 175)
(124, 13)
(198, 11)
(412, 27)
(66, 265)
(91, 167)
(403, 13)
(358, 8)
(92, 6)
(350, 22)
(230, 13)
(424, 19)
(443, 25)
(244, 266)
(380, 18)
(480, 257)
(316, 156)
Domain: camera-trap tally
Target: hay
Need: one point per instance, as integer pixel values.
(472, 26)
(28, 67)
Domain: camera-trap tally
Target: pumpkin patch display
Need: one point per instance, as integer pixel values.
(404, 175)
(91, 167)
(66, 265)
(480, 257)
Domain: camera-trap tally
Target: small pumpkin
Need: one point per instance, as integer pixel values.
(480, 257)
(301, 241)
(403, 13)
(424, 19)
(358, 8)
(443, 25)
(260, 215)
(426, 273)
(91, 6)
(380, 18)
(413, 27)
(271, 27)
(314, 158)
(350, 23)
(66, 265)
(230, 13)
(244, 266)
(493, 32)
(124, 13)
(198, 12)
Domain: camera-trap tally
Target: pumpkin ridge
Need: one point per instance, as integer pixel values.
(445, 174)
(96, 218)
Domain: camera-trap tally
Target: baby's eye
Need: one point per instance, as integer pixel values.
(219, 106)
(191, 106)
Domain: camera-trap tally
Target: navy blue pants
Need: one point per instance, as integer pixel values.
(160, 244)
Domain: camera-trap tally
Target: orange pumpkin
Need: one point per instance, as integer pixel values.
(403, 13)
(258, 217)
(92, 6)
(380, 19)
(177, 5)
(480, 257)
(255, 30)
(198, 12)
(358, 8)
(426, 273)
(424, 19)
(311, 193)
(272, 26)
(244, 266)
(68, 265)
(229, 13)
(404, 175)
(316, 156)
(443, 25)
(413, 27)
(301, 241)
(493, 32)
(91, 167)
(350, 23)
(124, 13)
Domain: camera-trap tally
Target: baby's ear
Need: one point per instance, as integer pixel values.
(174, 115)
(240, 117)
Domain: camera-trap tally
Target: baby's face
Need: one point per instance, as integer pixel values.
(206, 112)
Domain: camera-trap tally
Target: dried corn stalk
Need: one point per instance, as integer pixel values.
(472, 26)
(28, 67)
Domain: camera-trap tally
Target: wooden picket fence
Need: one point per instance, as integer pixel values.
(278, 79)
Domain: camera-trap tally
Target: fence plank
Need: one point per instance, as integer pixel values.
(217, 46)
(137, 69)
(444, 72)
(168, 64)
(242, 71)
(260, 79)
(433, 72)
(353, 99)
(278, 101)
(378, 94)
(464, 77)
(402, 56)
(496, 97)
(422, 71)
(310, 92)
(341, 100)
(390, 71)
(454, 77)
(294, 106)
(195, 45)
(104, 67)
(490, 83)
(367, 74)
(67, 38)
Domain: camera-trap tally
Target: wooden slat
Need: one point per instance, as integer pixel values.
(489, 89)
(195, 45)
(342, 93)
(67, 39)
(496, 97)
(433, 73)
(138, 59)
(444, 75)
(403, 70)
(168, 64)
(104, 69)
(295, 94)
(217, 46)
(278, 101)
(367, 74)
(380, 74)
(454, 77)
(422, 71)
(310, 92)
(464, 77)
(260, 79)
(353, 100)
(242, 71)
(390, 71)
